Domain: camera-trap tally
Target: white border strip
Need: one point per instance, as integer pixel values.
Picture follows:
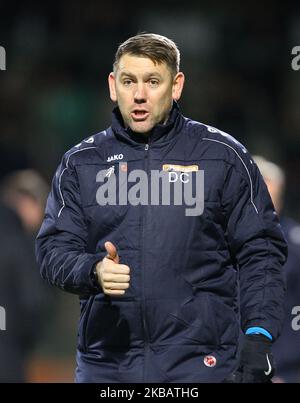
(60, 176)
(251, 184)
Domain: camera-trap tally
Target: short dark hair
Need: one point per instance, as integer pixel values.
(158, 48)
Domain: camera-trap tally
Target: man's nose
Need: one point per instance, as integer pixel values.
(140, 94)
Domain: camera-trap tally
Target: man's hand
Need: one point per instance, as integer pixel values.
(113, 277)
(256, 363)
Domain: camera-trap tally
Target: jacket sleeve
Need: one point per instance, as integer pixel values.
(257, 244)
(62, 240)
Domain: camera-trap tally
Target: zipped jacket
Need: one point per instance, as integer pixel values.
(205, 250)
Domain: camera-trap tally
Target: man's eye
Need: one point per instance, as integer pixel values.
(127, 82)
(153, 83)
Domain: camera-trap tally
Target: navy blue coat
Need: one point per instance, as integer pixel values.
(179, 319)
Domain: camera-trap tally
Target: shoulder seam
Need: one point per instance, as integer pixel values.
(60, 176)
(248, 173)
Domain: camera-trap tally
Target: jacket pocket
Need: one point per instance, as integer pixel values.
(84, 317)
(195, 322)
(113, 324)
(226, 320)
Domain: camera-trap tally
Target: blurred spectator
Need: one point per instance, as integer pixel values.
(286, 349)
(26, 192)
(22, 293)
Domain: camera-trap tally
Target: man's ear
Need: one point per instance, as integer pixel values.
(112, 87)
(178, 84)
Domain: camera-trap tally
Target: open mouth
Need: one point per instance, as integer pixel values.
(139, 115)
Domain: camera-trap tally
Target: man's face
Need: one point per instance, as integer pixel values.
(144, 91)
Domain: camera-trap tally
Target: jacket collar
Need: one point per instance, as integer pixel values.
(160, 133)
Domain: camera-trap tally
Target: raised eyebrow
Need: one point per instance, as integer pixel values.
(146, 76)
(153, 75)
(125, 74)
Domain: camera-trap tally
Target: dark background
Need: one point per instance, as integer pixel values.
(236, 57)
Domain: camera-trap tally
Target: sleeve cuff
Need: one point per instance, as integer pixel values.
(259, 330)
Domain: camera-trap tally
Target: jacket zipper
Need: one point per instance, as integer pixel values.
(144, 219)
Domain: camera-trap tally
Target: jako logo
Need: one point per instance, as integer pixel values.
(2, 58)
(115, 157)
(2, 318)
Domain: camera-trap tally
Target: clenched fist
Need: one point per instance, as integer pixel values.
(113, 277)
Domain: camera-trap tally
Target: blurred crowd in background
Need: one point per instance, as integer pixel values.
(237, 61)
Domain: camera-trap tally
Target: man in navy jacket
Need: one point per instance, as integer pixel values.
(152, 222)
